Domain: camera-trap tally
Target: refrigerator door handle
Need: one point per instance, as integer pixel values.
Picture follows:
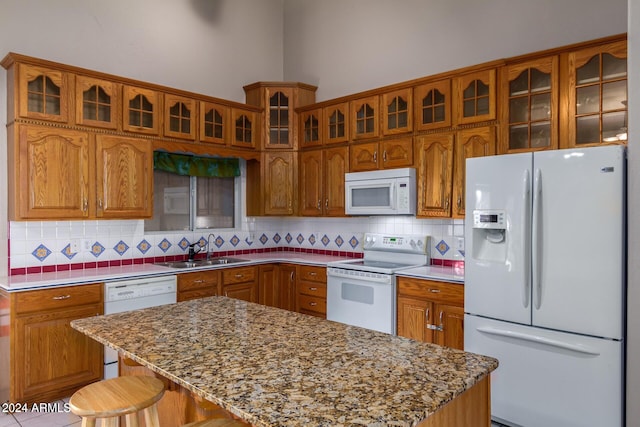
(526, 238)
(578, 348)
(536, 238)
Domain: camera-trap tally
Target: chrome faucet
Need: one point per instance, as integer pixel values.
(209, 245)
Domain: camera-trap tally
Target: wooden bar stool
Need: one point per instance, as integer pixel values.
(217, 422)
(110, 399)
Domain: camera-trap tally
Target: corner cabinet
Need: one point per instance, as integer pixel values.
(272, 184)
(431, 311)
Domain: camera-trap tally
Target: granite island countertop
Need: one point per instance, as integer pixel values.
(274, 367)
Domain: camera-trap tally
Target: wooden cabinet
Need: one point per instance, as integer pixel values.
(279, 180)
(322, 181)
(124, 179)
(397, 111)
(141, 110)
(287, 287)
(365, 118)
(199, 284)
(529, 103)
(435, 166)
(474, 96)
(431, 311)
(240, 283)
(312, 290)
(597, 95)
(214, 126)
(268, 285)
(336, 123)
(244, 128)
(279, 101)
(49, 359)
(179, 117)
(473, 142)
(387, 154)
(311, 128)
(97, 102)
(432, 105)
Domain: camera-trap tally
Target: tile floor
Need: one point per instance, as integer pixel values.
(41, 419)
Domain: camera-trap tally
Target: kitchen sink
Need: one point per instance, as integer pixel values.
(201, 262)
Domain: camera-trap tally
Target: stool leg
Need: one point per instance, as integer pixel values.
(88, 422)
(132, 420)
(151, 418)
(110, 422)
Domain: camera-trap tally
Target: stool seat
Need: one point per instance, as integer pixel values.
(217, 422)
(117, 396)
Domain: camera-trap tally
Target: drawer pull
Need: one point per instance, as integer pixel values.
(198, 281)
(238, 276)
(313, 304)
(312, 273)
(434, 291)
(313, 289)
(61, 297)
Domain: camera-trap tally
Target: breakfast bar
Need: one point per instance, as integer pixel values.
(272, 367)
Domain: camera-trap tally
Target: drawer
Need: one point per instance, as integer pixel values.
(198, 280)
(197, 293)
(57, 298)
(315, 304)
(312, 273)
(238, 275)
(440, 292)
(313, 289)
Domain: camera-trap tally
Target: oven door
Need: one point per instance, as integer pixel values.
(362, 299)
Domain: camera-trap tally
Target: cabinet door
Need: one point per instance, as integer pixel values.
(434, 175)
(413, 317)
(244, 129)
(50, 359)
(280, 171)
(397, 153)
(268, 285)
(310, 128)
(336, 123)
(311, 183)
(247, 291)
(397, 111)
(364, 157)
(365, 118)
(141, 110)
(530, 106)
(52, 177)
(124, 180)
(475, 97)
(598, 95)
(287, 287)
(42, 93)
(449, 320)
(474, 142)
(97, 102)
(214, 123)
(279, 118)
(179, 117)
(432, 105)
(336, 164)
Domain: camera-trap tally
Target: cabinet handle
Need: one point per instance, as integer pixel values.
(384, 156)
(312, 273)
(459, 202)
(441, 327)
(313, 289)
(100, 203)
(85, 204)
(319, 203)
(238, 276)
(446, 203)
(313, 304)
(426, 315)
(198, 281)
(375, 156)
(434, 291)
(326, 203)
(61, 297)
(291, 277)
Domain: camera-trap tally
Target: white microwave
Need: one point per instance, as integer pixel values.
(383, 192)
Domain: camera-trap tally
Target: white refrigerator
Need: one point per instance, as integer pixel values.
(545, 283)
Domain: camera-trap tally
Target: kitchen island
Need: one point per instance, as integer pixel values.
(273, 367)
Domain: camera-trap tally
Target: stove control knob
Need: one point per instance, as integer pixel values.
(413, 243)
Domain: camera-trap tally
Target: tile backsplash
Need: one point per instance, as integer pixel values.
(63, 245)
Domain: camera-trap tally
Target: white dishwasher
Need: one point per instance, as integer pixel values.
(127, 295)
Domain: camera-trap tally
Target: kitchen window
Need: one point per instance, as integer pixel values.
(194, 193)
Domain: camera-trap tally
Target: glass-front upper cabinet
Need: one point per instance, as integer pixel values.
(179, 117)
(432, 106)
(140, 110)
(397, 111)
(244, 133)
(310, 128)
(213, 123)
(43, 93)
(97, 102)
(364, 118)
(475, 97)
(598, 95)
(336, 123)
(530, 105)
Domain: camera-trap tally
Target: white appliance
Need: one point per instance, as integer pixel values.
(362, 292)
(545, 283)
(135, 294)
(383, 192)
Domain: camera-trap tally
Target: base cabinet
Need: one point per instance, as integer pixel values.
(431, 311)
(49, 359)
(312, 291)
(240, 283)
(199, 284)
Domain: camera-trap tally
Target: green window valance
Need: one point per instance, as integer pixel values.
(187, 165)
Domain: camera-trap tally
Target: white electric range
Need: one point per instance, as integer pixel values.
(362, 292)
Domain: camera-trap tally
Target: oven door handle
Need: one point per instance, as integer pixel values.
(356, 276)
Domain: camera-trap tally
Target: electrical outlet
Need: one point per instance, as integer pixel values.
(74, 245)
(86, 245)
(460, 243)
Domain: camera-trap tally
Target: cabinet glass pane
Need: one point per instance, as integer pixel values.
(393, 107)
(104, 113)
(402, 120)
(186, 126)
(364, 119)
(179, 118)
(482, 89)
(438, 113)
(243, 129)
(469, 108)
(392, 122)
(336, 125)
(35, 103)
(613, 68)
(614, 126)
(140, 112)
(614, 95)
(52, 105)
(482, 106)
(43, 96)
(588, 129)
(589, 72)
(147, 120)
(520, 85)
(519, 109)
(470, 91)
(541, 107)
(540, 81)
(588, 99)
(96, 104)
(174, 124)
(540, 134)
(518, 137)
(433, 107)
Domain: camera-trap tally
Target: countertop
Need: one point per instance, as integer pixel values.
(274, 367)
(104, 274)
